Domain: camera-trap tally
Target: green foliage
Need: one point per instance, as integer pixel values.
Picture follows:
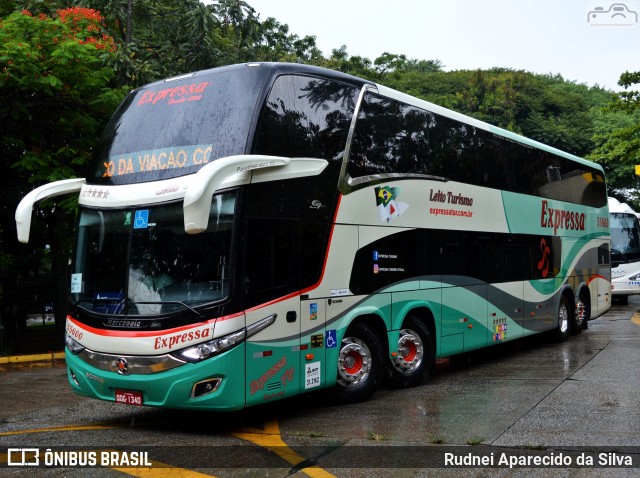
(54, 87)
(617, 141)
(618, 153)
(161, 38)
(273, 42)
(55, 97)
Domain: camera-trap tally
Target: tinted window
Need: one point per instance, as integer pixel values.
(393, 137)
(271, 268)
(469, 255)
(287, 231)
(174, 128)
(305, 117)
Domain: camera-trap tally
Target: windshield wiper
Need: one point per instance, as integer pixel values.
(116, 307)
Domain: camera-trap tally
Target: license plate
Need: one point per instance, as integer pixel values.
(129, 397)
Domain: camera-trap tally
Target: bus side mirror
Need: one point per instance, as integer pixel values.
(212, 177)
(25, 208)
(197, 199)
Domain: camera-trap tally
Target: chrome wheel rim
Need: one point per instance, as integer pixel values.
(354, 362)
(410, 352)
(581, 312)
(563, 318)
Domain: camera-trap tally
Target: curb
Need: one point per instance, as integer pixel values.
(48, 357)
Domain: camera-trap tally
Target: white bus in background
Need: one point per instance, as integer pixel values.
(625, 250)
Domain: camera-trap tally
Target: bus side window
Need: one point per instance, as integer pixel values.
(393, 137)
(305, 116)
(271, 259)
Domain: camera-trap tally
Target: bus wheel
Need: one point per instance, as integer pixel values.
(412, 363)
(565, 316)
(581, 316)
(359, 365)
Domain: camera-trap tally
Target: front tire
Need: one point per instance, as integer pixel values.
(359, 365)
(411, 365)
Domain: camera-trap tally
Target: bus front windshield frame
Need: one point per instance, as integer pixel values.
(625, 238)
(141, 262)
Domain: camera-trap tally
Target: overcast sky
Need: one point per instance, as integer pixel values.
(542, 36)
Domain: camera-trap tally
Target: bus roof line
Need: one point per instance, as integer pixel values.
(25, 208)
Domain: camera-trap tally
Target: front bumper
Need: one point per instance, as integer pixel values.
(171, 388)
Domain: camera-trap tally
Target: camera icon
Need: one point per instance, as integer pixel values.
(617, 14)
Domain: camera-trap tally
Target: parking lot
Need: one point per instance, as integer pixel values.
(566, 402)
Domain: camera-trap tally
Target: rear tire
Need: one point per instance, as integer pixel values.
(581, 315)
(565, 319)
(415, 355)
(359, 365)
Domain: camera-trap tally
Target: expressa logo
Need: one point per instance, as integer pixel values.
(170, 341)
(560, 219)
(177, 94)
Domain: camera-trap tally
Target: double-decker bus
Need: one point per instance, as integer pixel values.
(257, 231)
(625, 250)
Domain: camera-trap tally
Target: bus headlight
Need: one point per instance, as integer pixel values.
(206, 350)
(213, 347)
(73, 346)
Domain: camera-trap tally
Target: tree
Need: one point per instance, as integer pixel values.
(617, 140)
(55, 98)
(54, 87)
(162, 38)
(273, 42)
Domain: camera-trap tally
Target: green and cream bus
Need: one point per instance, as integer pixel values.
(258, 231)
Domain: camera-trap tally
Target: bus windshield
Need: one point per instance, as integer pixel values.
(141, 261)
(625, 238)
(174, 127)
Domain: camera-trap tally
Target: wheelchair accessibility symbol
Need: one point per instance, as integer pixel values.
(331, 339)
(141, 220)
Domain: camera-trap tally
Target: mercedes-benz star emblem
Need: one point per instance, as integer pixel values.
(123, 366)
